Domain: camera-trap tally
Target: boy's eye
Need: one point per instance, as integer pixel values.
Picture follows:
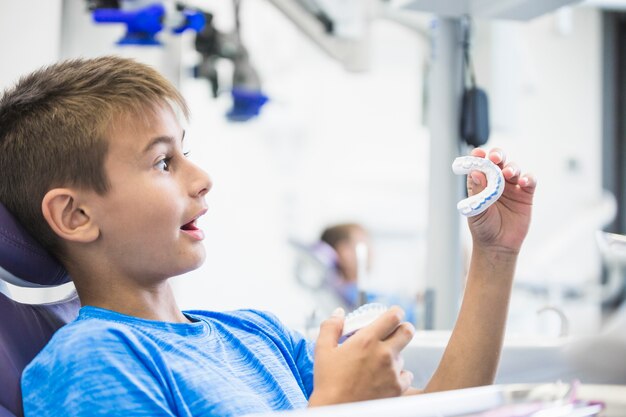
(186, 153)
(163, 164)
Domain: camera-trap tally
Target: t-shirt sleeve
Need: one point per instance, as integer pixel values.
(301, 348)
(304, 354)
(102, 372)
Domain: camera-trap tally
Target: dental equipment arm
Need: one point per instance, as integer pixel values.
(144, 23)
(351, 51)
(472, 355)
(246, 91)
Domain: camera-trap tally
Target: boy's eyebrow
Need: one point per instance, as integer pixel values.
(169, 140)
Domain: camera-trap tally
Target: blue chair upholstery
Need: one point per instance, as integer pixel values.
(26, 328)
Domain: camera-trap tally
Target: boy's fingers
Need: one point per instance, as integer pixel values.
(405, 379)
(511, 172)
(495, 155)
(476, 182)
(528, 182)
(385, 325)
(401, 337)
(400, 362)
(479, 152)
(498, 157)
(330, 330)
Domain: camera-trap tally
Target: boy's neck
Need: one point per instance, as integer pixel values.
(150, 305)
(156, 302)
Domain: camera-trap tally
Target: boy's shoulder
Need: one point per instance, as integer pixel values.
(96, 330)
(244, 319)
(249, 314)
(100, 335)
(83, 337)
(73, 346)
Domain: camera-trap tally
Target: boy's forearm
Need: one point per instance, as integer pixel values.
(472, 355)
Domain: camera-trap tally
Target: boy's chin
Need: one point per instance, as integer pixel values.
(199, 261)
(199, 264)
(194, 263)
(188, 268)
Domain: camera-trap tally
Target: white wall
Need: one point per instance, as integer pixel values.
(335, 146)
(30, 31)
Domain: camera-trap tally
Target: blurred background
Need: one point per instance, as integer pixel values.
(313, 113)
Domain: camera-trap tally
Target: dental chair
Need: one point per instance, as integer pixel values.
(26, 328)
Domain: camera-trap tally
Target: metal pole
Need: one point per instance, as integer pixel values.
(443, 267)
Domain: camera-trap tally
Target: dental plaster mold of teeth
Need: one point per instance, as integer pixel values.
(361, 317)
(480, 202)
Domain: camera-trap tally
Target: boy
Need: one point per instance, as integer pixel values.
(92, 164)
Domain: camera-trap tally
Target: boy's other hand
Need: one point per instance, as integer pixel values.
(368, 365)
(504, 225)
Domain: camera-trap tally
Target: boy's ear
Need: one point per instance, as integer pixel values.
(67, 217)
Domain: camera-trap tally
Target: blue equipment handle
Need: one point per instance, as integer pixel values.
(246, 104)
(143, 24)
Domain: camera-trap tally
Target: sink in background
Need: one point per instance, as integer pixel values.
(527, 359)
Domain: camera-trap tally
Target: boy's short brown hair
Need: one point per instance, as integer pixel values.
(54, 125)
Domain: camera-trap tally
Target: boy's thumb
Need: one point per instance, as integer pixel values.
(339, 313)
(330, 329)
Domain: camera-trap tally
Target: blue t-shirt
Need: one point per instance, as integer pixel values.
(222, 364)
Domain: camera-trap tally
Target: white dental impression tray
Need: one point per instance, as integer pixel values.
(362, 317)
(480, 202)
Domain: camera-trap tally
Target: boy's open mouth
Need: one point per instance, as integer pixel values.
(190, 226)
(192, 230)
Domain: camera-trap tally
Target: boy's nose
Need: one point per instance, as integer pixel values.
(202, 182)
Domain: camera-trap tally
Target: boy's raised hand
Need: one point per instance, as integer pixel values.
(472, 355)
(366, 366)
(504, 225)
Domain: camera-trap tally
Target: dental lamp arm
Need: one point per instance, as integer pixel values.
(351, 52)
(472, 355)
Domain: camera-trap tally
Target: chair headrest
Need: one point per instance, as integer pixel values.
(23, 261)
(325, 254)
